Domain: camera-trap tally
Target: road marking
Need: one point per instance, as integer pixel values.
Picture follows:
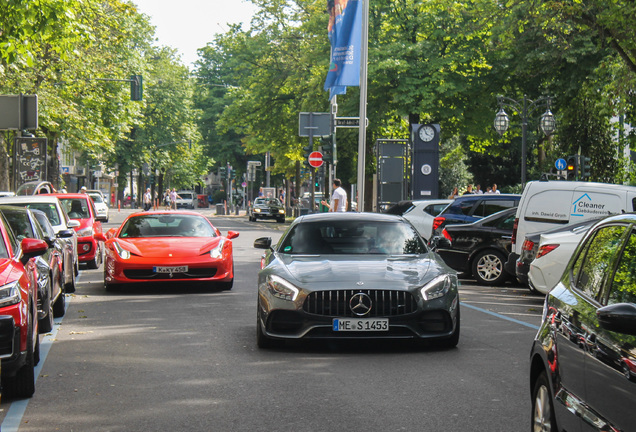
(495, 314)
(16, 409)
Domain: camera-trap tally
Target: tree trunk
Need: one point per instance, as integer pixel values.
(5, 165)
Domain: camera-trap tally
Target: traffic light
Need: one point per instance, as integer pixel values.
(327, 148)
(136, 88)
(573, 167)
(232, 173)
(585, 168)
(222, 172)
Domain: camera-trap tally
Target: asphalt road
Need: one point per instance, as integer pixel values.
(184, 358)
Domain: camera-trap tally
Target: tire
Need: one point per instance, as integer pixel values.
(70, 286)
(22, 385)
(226, 286)
(542, 407)
(488, 268)
(282, 220)
(45, 325)
(59, 307)
(97, 261)
(452, 340)
(262, 341)
(110, 287)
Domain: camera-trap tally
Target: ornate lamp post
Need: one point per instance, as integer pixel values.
(525, 108)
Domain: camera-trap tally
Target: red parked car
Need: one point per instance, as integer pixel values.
(80, 207)
(168, 246)
(19, 341)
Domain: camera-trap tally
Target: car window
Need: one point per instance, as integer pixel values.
(462, 206)
(488, 207)
(4, 253)
(594, 264)
(44, 224)
(167, 226)
(49, 209)
(434, 209)
(623, 288)
(19, 223)
(77, 208)
(505, 221)
(394, 238)
(96, 197)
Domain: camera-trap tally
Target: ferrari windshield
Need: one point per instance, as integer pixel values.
(167, 225)
(355, 237)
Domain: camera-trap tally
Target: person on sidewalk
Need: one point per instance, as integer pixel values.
(147, 200)
(338, 198)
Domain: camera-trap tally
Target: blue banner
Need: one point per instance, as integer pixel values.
(345, 35)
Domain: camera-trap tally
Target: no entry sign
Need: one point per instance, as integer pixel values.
(315, 159)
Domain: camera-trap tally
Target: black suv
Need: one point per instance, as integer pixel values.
(470, 208)
(583, 359)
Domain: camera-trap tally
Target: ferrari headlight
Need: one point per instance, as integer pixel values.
(10, 294)
(281, 289)
(437, 288)
(123, 253)
(217, 252)
(86, 232)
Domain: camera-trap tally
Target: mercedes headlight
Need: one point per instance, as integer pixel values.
(257, 210)
(217, 252)
(10, 294)
(436, 288)
(281, 289)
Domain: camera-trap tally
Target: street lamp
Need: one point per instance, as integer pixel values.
(526, 108)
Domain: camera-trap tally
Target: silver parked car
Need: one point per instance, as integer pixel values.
(354, 275)
(62, 225)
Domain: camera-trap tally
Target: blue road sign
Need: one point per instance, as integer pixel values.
(560, 164)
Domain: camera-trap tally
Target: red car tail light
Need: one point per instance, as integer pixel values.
(527, 245)
(514, 231)
(546, 249)
(447, 235)
(438, 221)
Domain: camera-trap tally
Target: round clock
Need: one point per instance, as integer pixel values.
(426, 133)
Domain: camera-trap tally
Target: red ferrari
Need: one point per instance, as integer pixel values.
(167, 246)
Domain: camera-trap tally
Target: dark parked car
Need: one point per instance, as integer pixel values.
(470, 208)
(479, 248)
(50, 265)
(19, 340)
(267, 208)
(583, 359)
(354, 276)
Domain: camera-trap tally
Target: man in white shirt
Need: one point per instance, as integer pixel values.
(338, 198)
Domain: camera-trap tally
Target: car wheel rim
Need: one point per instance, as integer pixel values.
(489, 267)
(542, 416)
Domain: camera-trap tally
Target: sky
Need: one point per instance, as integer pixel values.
(188, 25)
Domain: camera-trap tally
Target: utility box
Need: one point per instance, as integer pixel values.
(220, 210)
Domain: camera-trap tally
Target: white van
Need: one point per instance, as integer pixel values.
(547, 204)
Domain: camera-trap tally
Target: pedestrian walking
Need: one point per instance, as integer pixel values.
(173, 198)
(338, 198)
(147, 200)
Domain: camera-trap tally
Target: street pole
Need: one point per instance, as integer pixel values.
(364, 56)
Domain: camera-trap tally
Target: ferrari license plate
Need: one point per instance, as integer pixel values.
(176, 269)
(361, 324)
